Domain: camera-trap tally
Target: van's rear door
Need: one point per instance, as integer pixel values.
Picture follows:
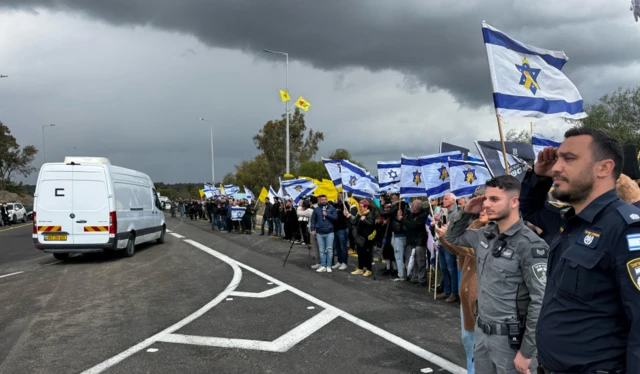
(54, 205)
(90, 205)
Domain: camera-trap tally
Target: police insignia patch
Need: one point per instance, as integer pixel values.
(633, 267)
(540, 271)
(589, 238)
(539, 253)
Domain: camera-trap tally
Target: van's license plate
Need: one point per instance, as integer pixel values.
(55, 238)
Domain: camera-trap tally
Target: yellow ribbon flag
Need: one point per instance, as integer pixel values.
(284, 95)
(303, 104)
(263, 195)
(326, 187)
(201, 193)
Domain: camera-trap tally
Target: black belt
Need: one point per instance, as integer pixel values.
(493, 328)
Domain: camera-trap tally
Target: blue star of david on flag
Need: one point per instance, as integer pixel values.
(392, 174)
(529, 77)
(352, 180)
(470, 175)
(417, 177)
(443, 173)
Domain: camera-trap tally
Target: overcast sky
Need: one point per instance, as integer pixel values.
(128, 80)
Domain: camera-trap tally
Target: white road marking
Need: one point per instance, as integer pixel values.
(8, 275)
(177, 235)
(426, 370)
(53, 263)
(311, 307)
(169, 231)
(282, 344)
(229, 299)
(260, 295)
(270, 283)
(286, 341)
(152, 350)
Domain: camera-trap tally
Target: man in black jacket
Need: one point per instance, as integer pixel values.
(275, 217)
(341, 235)
(415, 223)
(266, 217)
(399, 241)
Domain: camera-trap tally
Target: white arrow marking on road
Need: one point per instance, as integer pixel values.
(8, 275)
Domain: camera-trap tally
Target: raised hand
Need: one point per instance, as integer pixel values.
(475, 205)
(546, 159)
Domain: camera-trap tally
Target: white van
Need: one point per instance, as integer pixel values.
(87, 205)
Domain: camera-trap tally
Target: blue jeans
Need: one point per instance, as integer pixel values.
(469, 341)
(449, 267)
(325, 246)
(181, 210)
(214, 222)
(340, 244)
(277, 226)
(399, 243)
(265, 222)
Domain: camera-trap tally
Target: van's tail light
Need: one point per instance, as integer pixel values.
(35, 224)
(113, 223)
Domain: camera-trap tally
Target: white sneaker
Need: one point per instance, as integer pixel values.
(316, 266)
(328, 269)
(322, 269)
(343, 267)
(337, 265)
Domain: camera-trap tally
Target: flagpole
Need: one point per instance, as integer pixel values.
(504, 148)
(531, 131)
(287, 106)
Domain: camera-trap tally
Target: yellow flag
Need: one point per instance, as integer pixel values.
(326, 187)
(201, 193)
(284, 95)
(263, 195)
(303, 104)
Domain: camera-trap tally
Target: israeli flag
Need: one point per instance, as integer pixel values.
(540, 142)
(250, 195)
(411, 178)
(230, 189)
(357, 180)
(300, 189)
(474, 157)
(528, 81)
(272, 194)
(237, 212)
(389, 176)
(209, 191)
(467, 176)
(334, 168)
(435, 169)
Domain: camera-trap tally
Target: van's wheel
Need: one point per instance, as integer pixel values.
(131, 246)
(160, 240)
(61, 256)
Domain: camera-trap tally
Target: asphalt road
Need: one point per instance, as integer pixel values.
(210, 302)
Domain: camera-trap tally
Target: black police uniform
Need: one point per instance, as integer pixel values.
(590, 317)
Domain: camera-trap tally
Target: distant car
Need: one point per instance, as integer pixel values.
(16, 212)
(29, 209)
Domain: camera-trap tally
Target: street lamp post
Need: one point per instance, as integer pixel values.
(213, 175)
(44, 148)
(286, 55)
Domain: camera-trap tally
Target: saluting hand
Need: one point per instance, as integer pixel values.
(546, 159)
(474, 205)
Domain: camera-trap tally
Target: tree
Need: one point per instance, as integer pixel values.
(312, 169)
(271, 140)
(168, 192)
(343, 154)
(618, 114)
(229, 178)
(523, 136)
(254, 174)
(14, 160)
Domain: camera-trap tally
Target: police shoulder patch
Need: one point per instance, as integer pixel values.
(629, 213)
(540, 272)
(633, 267)
(539, 252)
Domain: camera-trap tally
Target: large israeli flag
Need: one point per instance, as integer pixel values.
(209, 191)
(272, 194)
(539, 143)
(411, 178)
(528, 81)
(357, 180)
(467, 176)
(389, 176)
(334, 168)
(230, 189)
(303, 187)
(435, 169)
(237, 212)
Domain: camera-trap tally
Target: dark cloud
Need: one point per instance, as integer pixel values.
(436, 44)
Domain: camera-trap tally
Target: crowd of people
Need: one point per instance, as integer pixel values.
(218, 212)
(546, 271)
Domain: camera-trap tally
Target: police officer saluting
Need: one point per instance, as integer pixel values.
(590, 318)
(511, 263)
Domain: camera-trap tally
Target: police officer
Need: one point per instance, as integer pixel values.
(590, 318)
(511, 263)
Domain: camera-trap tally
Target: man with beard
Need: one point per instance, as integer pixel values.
(511, 267)
(590, 319)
